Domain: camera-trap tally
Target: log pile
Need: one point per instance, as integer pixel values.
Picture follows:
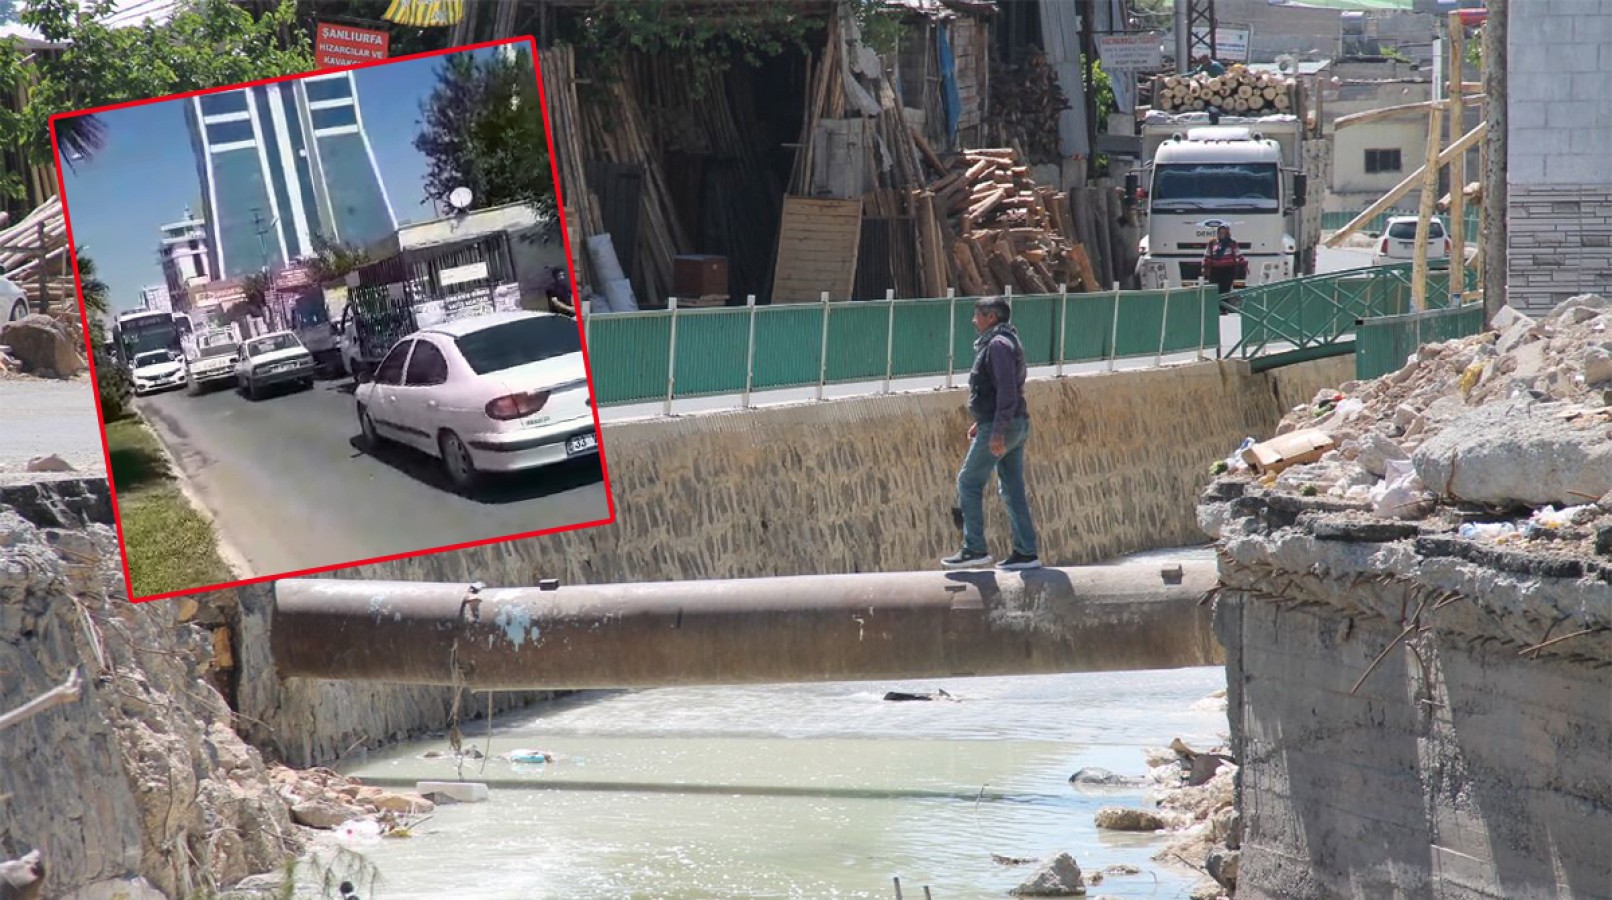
(1026, 101)
(40, 239)
(986, 226)
(1239, 91)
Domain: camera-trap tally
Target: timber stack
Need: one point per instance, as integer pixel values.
(994, 228)
(1026, 101)
(1238, 92)
(38, 245)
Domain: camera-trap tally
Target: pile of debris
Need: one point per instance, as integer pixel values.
(323, 799)
(1011, 232)
(1504, 437)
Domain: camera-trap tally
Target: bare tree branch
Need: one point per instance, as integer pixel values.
(66, 692)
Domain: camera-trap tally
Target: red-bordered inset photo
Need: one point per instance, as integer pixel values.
(334, 322)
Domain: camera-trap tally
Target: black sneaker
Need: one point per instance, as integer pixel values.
(1020, 561)
(966, 559)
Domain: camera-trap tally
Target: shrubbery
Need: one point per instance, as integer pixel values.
(115, 388)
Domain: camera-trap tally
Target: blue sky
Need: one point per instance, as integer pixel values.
(145, 176)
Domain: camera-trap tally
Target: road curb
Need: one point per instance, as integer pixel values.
(233, 558)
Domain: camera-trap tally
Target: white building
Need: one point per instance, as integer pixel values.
(156, 297)
(183, 253)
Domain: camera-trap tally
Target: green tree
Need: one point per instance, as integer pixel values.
(482, 129)
(206, 44)
(334, 259)
(96, 294)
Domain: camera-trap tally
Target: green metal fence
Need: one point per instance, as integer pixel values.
(662, 355)
(1384, 343)
(1316, 316)
(1332, 221)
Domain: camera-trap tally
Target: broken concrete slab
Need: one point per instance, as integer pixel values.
(1516, 452)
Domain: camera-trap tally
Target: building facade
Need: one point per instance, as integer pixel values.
(183, 254)
(282, 165)
(1558, 185)
(156, 297)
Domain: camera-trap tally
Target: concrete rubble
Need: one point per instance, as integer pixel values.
(1504, 437)
(44, 346)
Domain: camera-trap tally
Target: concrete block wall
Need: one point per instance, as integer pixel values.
(1483, 777)
(864, 485)
(1559, 116)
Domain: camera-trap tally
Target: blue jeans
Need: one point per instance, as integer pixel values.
(977, 466)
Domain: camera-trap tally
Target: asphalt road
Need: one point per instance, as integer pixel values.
(290, 489)
(40, 417)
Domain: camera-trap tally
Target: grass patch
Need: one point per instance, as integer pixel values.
(171, 546)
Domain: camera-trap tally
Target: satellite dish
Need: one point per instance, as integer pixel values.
(459, 198)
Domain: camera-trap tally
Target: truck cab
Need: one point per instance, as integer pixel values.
(1199, 177)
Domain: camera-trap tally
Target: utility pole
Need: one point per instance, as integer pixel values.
(1183, 38)
(1494, 159)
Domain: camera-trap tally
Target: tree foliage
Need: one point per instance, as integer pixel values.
(334, 259)
(207, 43)
(96, 294)
(708, 39)
(482, 129)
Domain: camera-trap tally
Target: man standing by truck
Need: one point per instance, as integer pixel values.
(1223, 260)
(997, 437)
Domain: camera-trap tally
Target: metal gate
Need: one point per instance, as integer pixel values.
(422, 287)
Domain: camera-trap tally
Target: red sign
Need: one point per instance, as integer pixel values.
(343, 45)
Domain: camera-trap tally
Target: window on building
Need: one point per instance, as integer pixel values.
(328, 89)
(194, 246)
(334, 117)
(219, 104)
(229, 132)
(1382, 161)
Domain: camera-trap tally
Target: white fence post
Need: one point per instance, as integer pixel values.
(1201, 324)
(822, 365)
(671, 357)
(1164, 323)
(750, 351)
(889, 338)
(1113, 336)
(1063, 325)
(951, 334)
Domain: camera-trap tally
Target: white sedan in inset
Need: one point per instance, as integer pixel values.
(156, 370)
(501, 392)
(1398, 244)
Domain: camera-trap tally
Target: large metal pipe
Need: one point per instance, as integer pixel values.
(765, 630)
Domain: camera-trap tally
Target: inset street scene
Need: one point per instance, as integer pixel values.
(338, 322)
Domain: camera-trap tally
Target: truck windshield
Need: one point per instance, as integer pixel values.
(1222, 187)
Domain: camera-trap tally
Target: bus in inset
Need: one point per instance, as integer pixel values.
(142, 330)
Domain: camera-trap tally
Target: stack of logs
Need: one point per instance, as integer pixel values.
(995, 228)
(38, 245)
(1026, 101)
(1237, 91)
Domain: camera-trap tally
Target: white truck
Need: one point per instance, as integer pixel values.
(1251, 173)
(211, 356)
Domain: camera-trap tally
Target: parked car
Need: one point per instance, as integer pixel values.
(494, 393)
(275, 358)
(1398, 244)
(156, 370)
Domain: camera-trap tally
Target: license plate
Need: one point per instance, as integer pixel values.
(581, 443)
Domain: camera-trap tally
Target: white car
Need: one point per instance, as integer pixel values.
(1398, 244)
(156, 370)
(216, 358)
(275, 358)
(13, 301)
(501, 392)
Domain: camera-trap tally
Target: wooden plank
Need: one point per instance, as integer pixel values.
(806, 268)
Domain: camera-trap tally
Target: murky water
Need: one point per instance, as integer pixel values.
(797, 791)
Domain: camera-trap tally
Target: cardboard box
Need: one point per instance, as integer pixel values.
(1295, 448)
(696, 275)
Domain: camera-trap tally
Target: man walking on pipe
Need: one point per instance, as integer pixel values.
(997, 437)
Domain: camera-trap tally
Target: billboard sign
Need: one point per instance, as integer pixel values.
(337, 44)
(1135, 52)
